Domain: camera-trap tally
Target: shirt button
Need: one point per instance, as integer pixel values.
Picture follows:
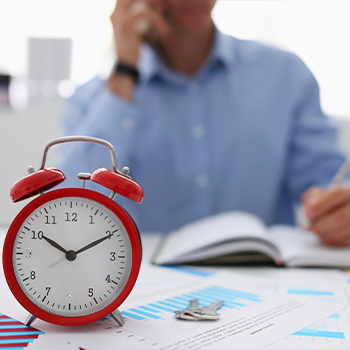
(198, 131)
(127, 123)
(202, 180)
(192, 88)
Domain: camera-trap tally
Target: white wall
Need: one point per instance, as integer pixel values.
(22, 140)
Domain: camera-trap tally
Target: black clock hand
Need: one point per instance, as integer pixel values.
(54, 244)
(92, 244)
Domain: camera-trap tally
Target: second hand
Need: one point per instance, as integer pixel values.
(57, 262)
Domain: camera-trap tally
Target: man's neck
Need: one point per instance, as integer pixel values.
(186, 53)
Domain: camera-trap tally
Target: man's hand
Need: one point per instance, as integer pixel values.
(329, 213)
(127, 37)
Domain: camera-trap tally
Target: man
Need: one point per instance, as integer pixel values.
(212, 124)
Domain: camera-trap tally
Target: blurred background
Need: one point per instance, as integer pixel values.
(49, 47)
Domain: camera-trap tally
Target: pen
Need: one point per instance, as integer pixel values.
(341, 173)
(337, 179)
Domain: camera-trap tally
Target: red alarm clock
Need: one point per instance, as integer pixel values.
(72, 255)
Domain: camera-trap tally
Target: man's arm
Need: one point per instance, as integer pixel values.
(105, 109)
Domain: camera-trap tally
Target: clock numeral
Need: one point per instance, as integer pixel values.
(53, 222)
(71, 218)
(28, 253)
(39, 235)
(32, 275)
(91, 292)
(91, 220)
(108, 279)
(112, 258)
(48, 290)
(69, 297)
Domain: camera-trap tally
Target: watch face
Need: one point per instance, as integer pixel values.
(72, 256)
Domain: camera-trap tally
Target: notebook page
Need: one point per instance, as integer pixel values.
(303, 248)
(210, 231)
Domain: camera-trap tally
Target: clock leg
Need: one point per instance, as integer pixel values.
(117, 317)
(30, 319)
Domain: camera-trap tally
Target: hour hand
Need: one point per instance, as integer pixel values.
(55, 244)
(92, 244)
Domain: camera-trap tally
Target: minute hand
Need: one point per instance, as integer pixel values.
(92, 244)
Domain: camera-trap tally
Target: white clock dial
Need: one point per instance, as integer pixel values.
(72, 256)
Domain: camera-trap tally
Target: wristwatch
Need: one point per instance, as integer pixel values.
(122, 68)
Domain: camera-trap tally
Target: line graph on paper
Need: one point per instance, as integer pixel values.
(331, 333)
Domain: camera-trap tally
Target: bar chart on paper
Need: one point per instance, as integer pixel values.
(320, 292)
(158, 314)
(247, 320)
(150, 320)
(206, 296)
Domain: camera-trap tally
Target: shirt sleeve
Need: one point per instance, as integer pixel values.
(314, 156)
(95, 111)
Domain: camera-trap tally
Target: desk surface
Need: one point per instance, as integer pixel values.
(265, 279)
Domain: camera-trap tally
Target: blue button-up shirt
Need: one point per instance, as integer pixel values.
(244, 133)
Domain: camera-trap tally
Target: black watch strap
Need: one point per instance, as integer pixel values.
(122, 68)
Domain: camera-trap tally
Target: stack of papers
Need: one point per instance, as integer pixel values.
(264, 308)
(283, 311)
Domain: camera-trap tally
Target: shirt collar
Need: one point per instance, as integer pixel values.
(223, 49)
(152, 65)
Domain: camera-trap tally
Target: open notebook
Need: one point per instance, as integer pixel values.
(236, 237)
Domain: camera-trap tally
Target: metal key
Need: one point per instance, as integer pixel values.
(210, 312)
(190, 312)
(196, 313)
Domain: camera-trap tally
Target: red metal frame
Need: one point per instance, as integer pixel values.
(18, 221)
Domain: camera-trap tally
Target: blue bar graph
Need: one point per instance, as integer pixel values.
(132, 315)
(6, 320)
(7, 334)
(161, 307)
(234, 293)
(205, 296)
(317, 333)
(144, 313)
(309, 292)
(14, 326)
(190, 270)
(203, 300)
(177, 302)
(169, 305)
(155, 311)
(211, 299)
(16, 341)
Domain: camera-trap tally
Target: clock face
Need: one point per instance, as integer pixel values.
(72, 256)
